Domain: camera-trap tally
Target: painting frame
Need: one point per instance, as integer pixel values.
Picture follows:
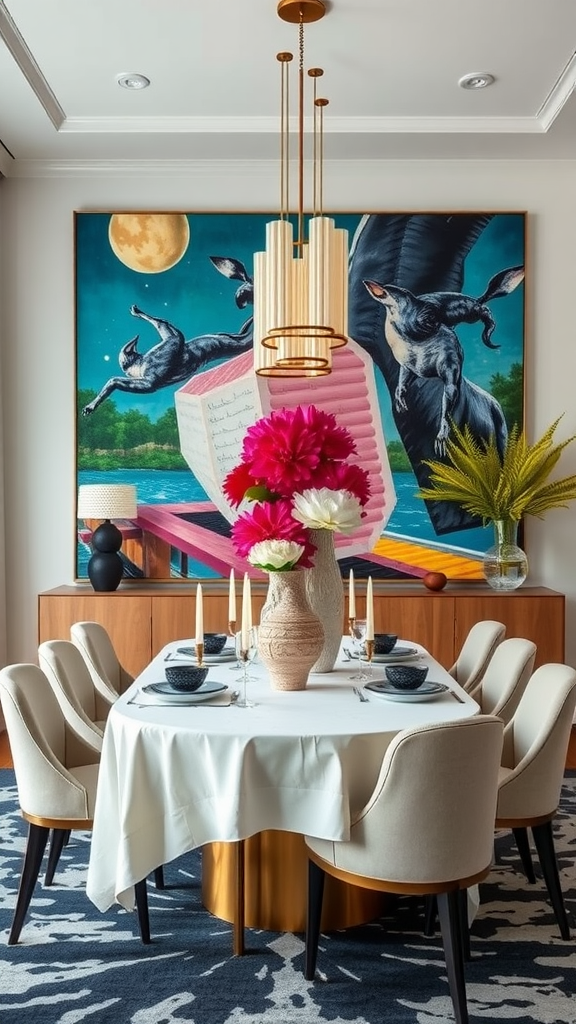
(202, 298)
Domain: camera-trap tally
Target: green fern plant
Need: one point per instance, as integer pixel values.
(495, 488)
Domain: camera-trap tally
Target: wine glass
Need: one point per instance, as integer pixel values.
(245, 657)
(358, 632)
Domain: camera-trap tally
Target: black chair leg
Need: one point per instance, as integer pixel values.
(60, 837)
(449, 914)
(521, 837)
(544, 841)
(37, 839)
(142, 908)
(430, 912)
(313, 917)
(464, 925)
(159, 877)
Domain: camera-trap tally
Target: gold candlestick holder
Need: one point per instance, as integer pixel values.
(200, 652)
(369, 644)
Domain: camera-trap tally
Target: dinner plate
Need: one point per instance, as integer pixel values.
(169, 694)
(396, 654)
(228, 654)
(426, 691)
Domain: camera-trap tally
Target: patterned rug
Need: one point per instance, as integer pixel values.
(74, 964)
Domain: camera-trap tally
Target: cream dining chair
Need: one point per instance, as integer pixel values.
(56, 776)
(93, 641)
(476, 651)
(506, 678)
(84, 708)
(533, 764)
(427, 829)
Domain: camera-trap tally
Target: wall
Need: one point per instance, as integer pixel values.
(37, 299)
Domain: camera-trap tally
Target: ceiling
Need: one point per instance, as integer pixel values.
(391, 74)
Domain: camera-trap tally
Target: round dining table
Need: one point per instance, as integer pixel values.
(215, 775)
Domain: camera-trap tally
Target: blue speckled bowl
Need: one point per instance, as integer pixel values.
(406, 677)
(186, 677)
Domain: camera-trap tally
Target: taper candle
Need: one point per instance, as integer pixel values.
(232, 598)
(351, 596)
(199, 615)
(369, 611)
(246, 613)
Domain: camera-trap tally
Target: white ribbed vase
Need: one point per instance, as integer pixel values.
(325, 591)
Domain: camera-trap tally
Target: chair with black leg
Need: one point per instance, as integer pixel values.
(427, 829)
(56, 776)
(95, 645)
(533, 764)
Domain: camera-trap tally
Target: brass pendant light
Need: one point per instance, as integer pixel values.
(300, 288)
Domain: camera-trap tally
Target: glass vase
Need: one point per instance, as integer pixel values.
(505, 564)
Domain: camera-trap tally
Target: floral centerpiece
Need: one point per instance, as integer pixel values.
(294, 470)
(501, 489)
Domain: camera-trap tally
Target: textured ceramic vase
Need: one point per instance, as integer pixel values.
(290, 636)
(325, 591)
(505, 564)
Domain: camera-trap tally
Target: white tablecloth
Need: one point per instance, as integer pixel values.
(174, 778)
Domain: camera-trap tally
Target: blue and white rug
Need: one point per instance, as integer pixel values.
(73, 964)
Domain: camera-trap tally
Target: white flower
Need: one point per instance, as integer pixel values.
(275, 555)
(323, 509)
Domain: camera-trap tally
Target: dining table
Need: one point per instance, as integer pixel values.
(250, 782)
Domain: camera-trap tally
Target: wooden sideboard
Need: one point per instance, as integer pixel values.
(142, 618)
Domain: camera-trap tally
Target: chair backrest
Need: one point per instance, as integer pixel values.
(477, 649)
(506, 677)
(38, 736)
(72, 684)
(430, 818)
(536, 743)
(108, 675)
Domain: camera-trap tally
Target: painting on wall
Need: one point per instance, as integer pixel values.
(165, 385)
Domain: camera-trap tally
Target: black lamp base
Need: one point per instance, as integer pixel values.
(105, 568)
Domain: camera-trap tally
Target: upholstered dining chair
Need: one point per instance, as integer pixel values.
(82, 705)
(533, 763)
(56, 781)
(93, 641)
(506, 678)
(476, 651)
(426, 829)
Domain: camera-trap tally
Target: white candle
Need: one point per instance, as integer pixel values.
(232, 598)
(246, 613)
(199, 615)
(369, 611)
(351, 596)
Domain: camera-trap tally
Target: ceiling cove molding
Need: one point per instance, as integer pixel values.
(188, 169)
(29, 68)
(558, 95)
(332, 126)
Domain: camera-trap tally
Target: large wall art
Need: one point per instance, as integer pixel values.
(165, 386)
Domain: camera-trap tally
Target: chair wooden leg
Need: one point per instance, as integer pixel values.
(544, 840)
(60, 837)
(464, 925)
(142, 908)
(449, 914)
(313, 917)
(521, 837)
(35, 846)
(238, 928)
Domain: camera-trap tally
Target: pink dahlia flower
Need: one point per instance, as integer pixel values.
(271, 521)
(342, 476)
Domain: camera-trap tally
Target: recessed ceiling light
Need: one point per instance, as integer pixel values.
(128, 80)
(479, 80)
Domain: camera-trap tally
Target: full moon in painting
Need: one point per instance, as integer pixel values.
(149, 242)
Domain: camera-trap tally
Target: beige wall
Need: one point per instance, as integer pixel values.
(37, 301)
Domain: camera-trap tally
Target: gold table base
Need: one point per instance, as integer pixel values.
(275, 886)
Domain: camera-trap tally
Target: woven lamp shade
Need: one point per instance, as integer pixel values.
(107, 501)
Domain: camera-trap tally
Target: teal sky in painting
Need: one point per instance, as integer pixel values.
(196, 298)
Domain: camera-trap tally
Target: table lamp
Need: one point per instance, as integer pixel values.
(107, 502)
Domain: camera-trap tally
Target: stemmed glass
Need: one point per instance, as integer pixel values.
(358, 634)
(245, 657)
